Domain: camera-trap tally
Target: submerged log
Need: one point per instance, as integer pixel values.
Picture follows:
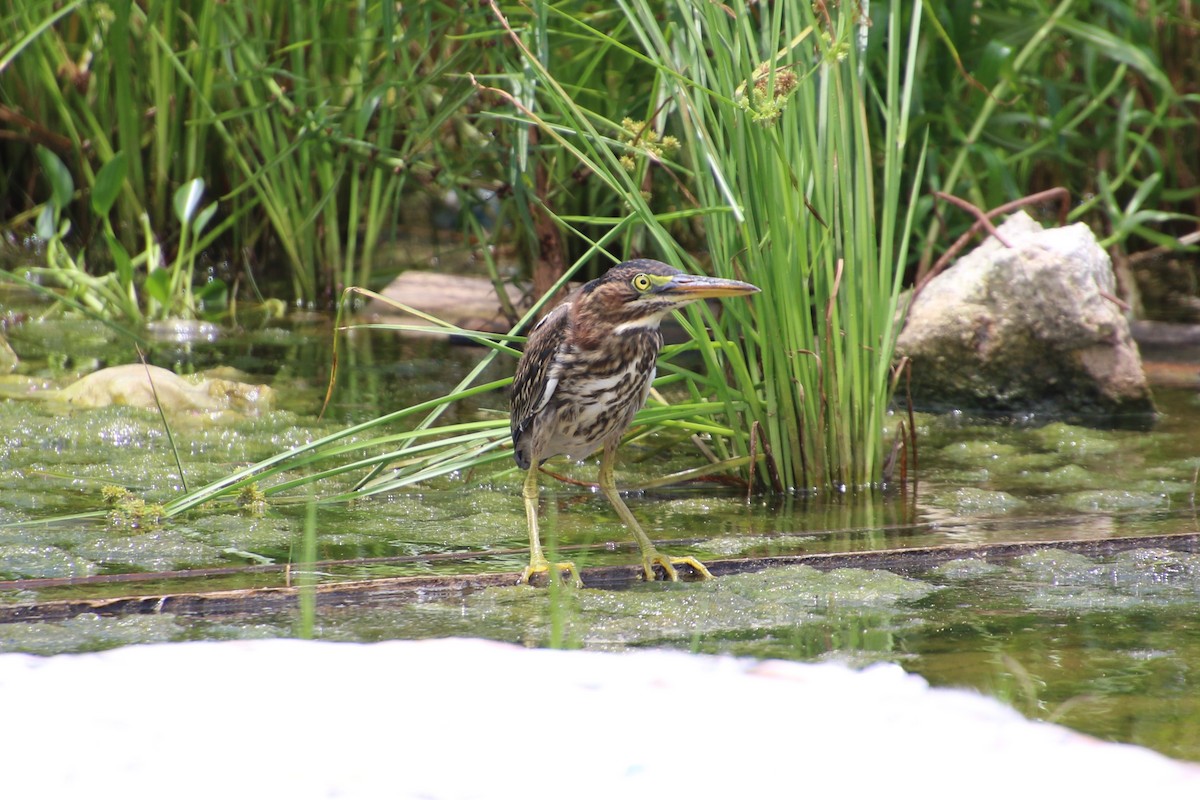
(425, 588)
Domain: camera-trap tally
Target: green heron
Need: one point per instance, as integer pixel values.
(585, 372)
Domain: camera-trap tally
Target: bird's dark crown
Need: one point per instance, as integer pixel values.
(629, 292)
(642, 291)
(626, 271)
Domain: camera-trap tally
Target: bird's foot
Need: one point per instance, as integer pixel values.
(538, 567)
(667, 564)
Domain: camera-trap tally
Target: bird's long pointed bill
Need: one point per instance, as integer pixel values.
(698, 286)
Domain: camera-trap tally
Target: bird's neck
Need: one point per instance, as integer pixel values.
(593, 332)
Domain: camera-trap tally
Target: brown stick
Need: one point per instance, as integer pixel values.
(1062, 194)
(38, 134)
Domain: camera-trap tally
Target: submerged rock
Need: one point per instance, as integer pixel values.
(148, 387)
(467, 301)
(1029, 328)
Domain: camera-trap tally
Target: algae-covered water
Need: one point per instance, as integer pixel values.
(1109, 644)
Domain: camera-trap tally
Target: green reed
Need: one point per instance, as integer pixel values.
(787, 192)
(777, 113)
(306, 122)
(805, 145)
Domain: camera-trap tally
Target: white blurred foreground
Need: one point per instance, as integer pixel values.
(456, 718)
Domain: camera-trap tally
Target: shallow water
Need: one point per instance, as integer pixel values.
(1108, 645)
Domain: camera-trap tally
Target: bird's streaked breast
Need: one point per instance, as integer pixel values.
(597, 395)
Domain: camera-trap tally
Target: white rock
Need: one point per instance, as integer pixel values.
(1024, 329)
(456, 718)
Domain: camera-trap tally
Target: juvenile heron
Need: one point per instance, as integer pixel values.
(585, 372)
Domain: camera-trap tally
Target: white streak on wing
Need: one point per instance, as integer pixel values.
(542, 321)
(547, 393)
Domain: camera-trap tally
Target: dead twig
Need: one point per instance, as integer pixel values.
(984, 221)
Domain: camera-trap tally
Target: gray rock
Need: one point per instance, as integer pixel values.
(1026, 330)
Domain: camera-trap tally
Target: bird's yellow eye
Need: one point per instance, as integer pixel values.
(642, 282)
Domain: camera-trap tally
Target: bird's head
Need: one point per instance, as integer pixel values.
(639, 293)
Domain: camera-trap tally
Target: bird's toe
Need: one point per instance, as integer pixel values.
(550, 569)
(657, 564)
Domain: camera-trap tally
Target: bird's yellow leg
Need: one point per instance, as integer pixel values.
(537, 559)
(650, 554)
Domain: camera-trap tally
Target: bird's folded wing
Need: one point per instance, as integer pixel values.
(536, 377)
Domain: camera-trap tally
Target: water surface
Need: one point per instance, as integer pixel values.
(1109, 645)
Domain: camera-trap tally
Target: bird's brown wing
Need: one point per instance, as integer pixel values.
(534, 382)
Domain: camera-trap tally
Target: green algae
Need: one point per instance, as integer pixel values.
(42, 561)
(89, 632)
(1078, 443)
(974, 452)
(977, 502)
(1115, 500)
(661, 614)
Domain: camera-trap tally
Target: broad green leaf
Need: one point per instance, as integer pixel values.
(121, 260)
(158, 286)
(109, 181)
(202, 219)
(187, 199)
(995, 62)
(62, 185)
